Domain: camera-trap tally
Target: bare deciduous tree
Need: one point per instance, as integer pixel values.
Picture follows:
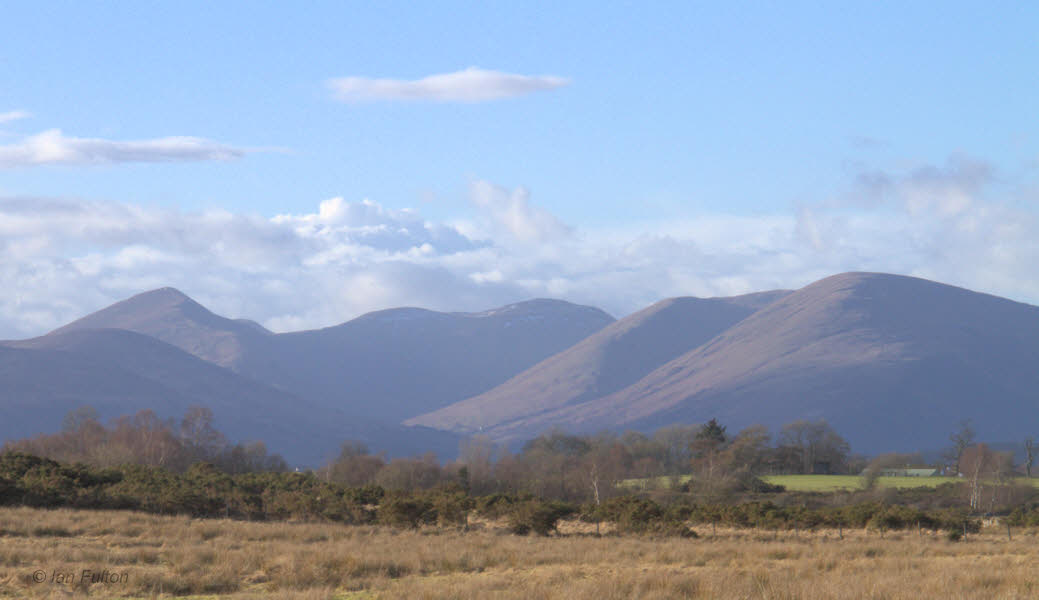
(477, 454)
(354, 466)
(1029, 455)
(749, 450)
(817, 446)
(199, 435)
(961, 439)
(981, 464)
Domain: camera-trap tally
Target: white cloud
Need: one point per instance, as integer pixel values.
(51, 147)
(469, 85)
(60, 259)
(14, 115)
(365, 224)
(510, 213)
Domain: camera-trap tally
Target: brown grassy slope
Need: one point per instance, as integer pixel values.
(164, 556)
(891, 362)
(609, 360)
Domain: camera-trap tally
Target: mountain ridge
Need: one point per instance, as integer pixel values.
(363, 376)
(883, 357)
(608, 360)
(877, 355)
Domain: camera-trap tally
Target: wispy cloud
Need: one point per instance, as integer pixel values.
(948, 189)
(54, 148)
(14, 115)
(469, 85)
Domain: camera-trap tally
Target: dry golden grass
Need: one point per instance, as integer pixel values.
(178, 556)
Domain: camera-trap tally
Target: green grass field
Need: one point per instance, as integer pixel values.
(832, 483)
(821, 483)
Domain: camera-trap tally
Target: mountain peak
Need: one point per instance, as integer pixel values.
(168, 296)
(171, 316)
(538, 307)
(142, 311)
(855, 279)
(541, 306)
(164, 292)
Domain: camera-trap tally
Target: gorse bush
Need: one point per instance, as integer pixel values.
(203, 490)
(452, 507)
(630, 513)
(1025, 516)
(495, 506)
(400, 510)
(537, 516)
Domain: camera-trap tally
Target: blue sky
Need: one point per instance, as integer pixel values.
(625, 152)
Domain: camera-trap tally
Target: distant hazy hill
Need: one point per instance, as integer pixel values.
(120, 372)
(388, 365)
(890, 361)
(168, 315)
(612, 359)
(399, 363)
(303, 393)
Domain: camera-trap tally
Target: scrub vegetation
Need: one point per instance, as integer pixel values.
(561, 518)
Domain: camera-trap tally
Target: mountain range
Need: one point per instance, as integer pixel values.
(892, 362)
(302, 392)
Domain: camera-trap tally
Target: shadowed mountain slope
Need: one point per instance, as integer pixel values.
(120, 372)
(399, 363)
(388, 365)
(892, 362)
(609, 360)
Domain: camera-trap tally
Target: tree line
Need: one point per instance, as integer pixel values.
(204, 491)
(555, 465)
(704, 461)
(188, 467)
(582, 468)
(146, 439)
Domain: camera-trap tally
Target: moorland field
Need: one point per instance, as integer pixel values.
(567, 517)
(176, 556)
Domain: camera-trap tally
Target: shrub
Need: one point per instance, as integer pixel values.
(498, 505)
(368, 494)
(403, 511)
(452, 508)
(539, 517)
(9, 493)
(749, 482)
(630, 513)
(956, 520)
